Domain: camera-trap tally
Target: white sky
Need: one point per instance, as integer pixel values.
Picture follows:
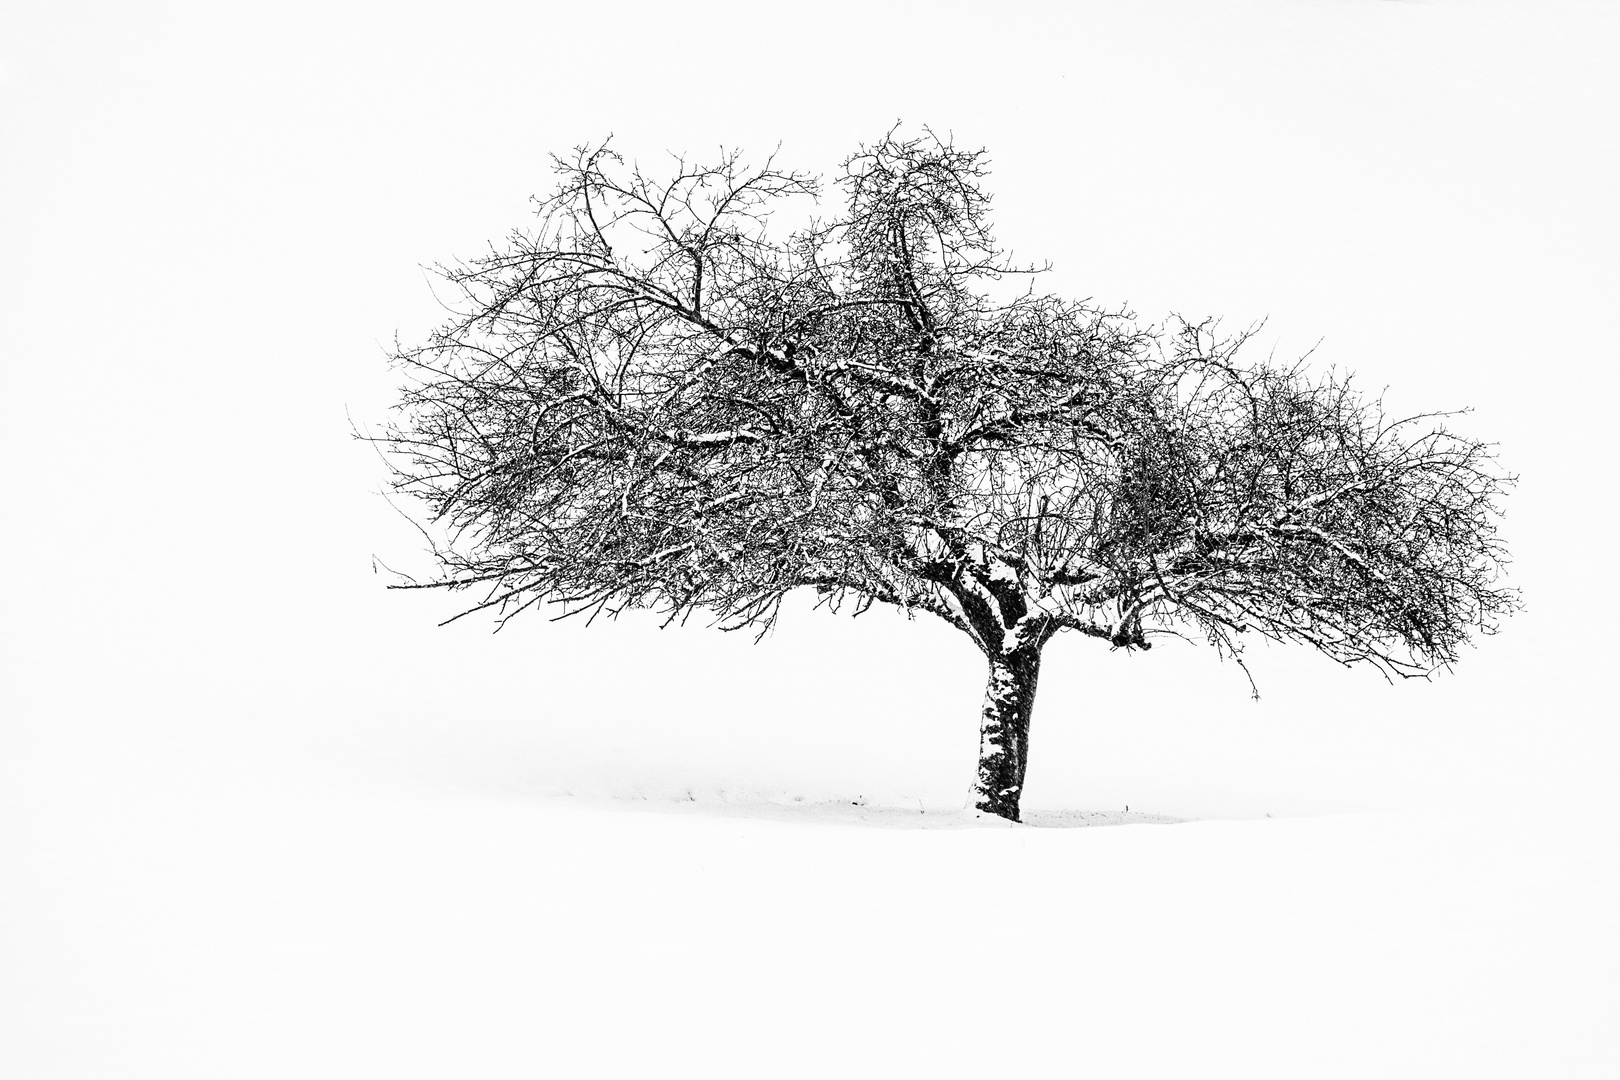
(213, 221)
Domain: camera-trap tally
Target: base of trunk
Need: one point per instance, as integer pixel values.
(1002, 804)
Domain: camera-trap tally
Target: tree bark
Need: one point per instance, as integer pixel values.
(1009, 698)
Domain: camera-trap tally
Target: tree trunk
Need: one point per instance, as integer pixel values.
(1004, 732)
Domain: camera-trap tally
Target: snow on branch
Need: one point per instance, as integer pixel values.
(657, 396)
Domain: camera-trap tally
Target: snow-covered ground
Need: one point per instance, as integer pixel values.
(227, 911)
(259, 817)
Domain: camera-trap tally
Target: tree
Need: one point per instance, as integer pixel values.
(652, 400)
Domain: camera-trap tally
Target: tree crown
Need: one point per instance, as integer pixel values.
(649, 399)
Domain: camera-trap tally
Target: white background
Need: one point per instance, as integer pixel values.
(259, 816)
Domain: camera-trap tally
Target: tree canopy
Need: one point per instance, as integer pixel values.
(655, 397)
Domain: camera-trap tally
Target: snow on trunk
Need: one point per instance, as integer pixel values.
(1009, 699)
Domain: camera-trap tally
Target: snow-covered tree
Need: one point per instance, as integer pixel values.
(650, 399)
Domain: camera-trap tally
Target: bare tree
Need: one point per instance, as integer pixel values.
(649, 400)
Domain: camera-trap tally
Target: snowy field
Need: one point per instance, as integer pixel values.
(204, 912)
(259, 817)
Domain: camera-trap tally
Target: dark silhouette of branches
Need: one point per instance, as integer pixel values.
(656, 398)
